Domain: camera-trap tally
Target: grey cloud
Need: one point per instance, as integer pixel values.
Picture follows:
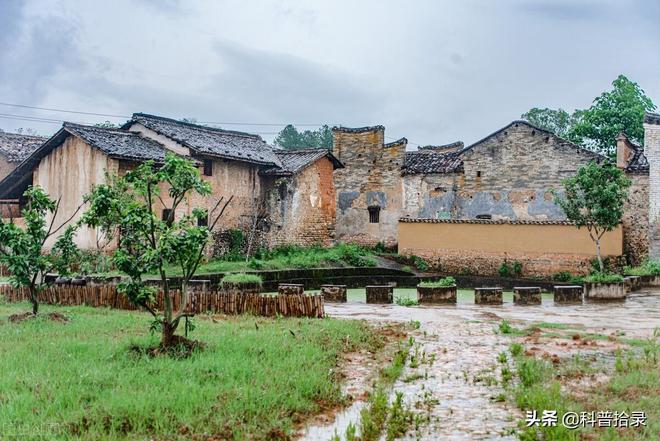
(34, 52)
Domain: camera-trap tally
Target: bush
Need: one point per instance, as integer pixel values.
(562, 276)
(447, 281)
(604, 278)
(650, 267)
(241, 279)
(405, 301)
(510, 269)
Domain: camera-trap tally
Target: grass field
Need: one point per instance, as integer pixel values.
(256, 378)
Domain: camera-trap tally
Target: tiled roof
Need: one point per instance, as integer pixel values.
(652, 118)
(16, 147)
(638, 163)
(293, 161)
(118, 143)
(445, 148)
(397, 143)
(429, 161)
(358, 129)
(210, 141)
(484, 221)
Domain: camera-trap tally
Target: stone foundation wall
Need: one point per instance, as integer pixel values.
(462, 262)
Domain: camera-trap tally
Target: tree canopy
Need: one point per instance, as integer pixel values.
(24, 249)
(148, 241)
(618, 110)
(594, 199)
(290, 138)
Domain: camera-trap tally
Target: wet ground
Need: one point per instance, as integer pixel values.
(456, 348)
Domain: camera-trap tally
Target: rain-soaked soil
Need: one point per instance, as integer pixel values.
(456, 349)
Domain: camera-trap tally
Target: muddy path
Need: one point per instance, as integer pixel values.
(452, 383)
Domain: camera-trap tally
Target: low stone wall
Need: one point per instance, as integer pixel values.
(290, 288)
(605, 291)
(380, 294)
(488, 296)
(568, 294)
(440, 294)
(334, 293)
(527, 295)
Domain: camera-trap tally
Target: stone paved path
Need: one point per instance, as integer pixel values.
(454, 389)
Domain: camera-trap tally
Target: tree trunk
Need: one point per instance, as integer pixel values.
(34, 300)
(167, 337)
(600, 259)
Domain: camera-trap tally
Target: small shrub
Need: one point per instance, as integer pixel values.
(562, 276)
(650, 267)
(405, 301)
(510, 269)
(506, 328)
(516, 349)
(420, 263)
(604, 278)
(445, 282)
(241, 279)
(407, 268)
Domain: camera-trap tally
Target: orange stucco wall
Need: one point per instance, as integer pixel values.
(506, 238)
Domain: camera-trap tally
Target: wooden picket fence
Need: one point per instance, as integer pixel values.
(219, 302)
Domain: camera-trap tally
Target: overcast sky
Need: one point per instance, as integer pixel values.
(432, 71)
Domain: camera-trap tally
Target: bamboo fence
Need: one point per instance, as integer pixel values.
(219, 302)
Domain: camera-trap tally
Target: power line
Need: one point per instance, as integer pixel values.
(64, 111)
(40, 119)
(109, 115)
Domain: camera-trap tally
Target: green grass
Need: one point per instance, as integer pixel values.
(241, 278)
(632, 386)
(442, 283)
(604, 278)
(256, 378)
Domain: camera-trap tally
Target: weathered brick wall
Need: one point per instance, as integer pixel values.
(652, 152)
(431, 195)
(509, 175)
(302, 208)
(636, 219)
(6, 167)
(371, 177)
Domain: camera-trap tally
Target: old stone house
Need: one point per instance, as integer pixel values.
(288, 196)
(508, 175)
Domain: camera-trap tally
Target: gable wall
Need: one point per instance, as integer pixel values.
(69, 172)
(302, 208)
(519, 167)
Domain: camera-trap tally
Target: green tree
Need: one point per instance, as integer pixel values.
(147, 243)
(618, 110)
(23, 250)
(290, 138)
(556, 121)
(594, 199)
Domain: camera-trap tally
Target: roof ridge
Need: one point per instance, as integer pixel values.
(23, 135)
(196, 126)
(358, 129)
(305, 150)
